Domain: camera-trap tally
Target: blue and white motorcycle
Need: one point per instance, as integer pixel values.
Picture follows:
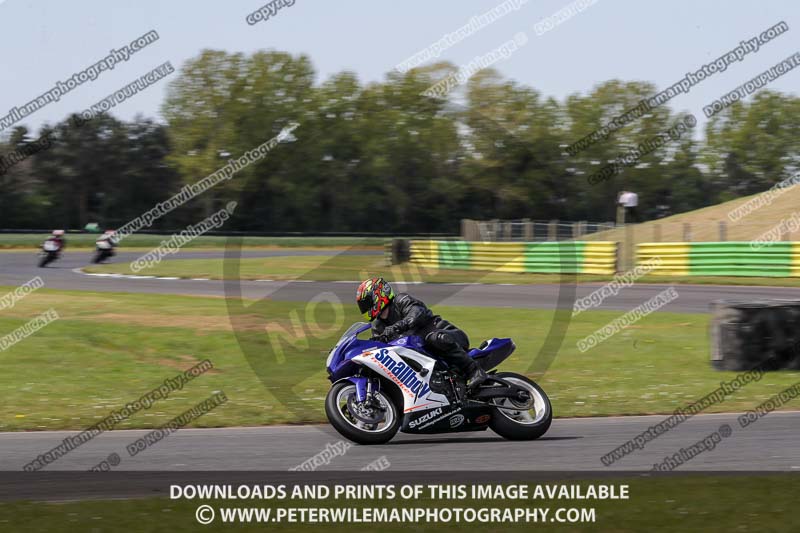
(380, 388)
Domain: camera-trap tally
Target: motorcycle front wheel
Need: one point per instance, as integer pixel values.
(362, 424)
(514, 420)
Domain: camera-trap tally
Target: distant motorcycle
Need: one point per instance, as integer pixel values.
(104, 247)
(104, 251)
(380, 388)
(51, 250)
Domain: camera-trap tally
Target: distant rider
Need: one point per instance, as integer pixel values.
(400, 315)
(107, 238)
(106, 242)
(58, 239)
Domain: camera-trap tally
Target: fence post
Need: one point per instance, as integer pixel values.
(527, 230)
(578, 229)
(628, 246)
(687, 232)
(552, 230)
(723, 231)
(507, 231)
(470, 231)
(495, 227)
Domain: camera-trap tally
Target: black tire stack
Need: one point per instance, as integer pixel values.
(748, 334)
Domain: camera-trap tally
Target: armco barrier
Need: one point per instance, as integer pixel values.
(781, 259)
(541, 257)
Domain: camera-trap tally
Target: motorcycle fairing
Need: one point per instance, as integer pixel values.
(390, 362)
(471, 416)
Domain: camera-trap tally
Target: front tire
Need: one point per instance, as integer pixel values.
(348, 426)
(514, 421)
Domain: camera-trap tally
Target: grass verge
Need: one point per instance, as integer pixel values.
(108, 349)
(355, 267)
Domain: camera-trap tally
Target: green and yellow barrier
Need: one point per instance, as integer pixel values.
(540, 257)
(780, 259)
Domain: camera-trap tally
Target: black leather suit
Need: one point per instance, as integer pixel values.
(409, 316)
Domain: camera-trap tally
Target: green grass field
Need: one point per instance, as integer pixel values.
(108, 349)
(354, 267)
(87, 240)
(759, 503)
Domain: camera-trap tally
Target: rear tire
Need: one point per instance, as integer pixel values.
(348, 428)
(514, 424)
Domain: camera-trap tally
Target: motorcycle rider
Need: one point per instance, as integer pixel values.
(57, 237)
(399, 315)
(105, 244)
(109, 237)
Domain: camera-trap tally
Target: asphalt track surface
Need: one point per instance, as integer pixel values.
(19, 267)
(571, 444)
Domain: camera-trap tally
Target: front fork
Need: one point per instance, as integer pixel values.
(364, 387)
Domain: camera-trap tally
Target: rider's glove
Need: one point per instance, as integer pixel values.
(389, 333)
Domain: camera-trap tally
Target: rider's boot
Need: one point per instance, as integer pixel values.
(475, 375)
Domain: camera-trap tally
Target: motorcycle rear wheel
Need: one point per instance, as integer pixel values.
(337, 408)
(514, 421)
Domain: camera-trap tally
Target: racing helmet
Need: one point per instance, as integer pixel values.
(58, 232)
(373, 296)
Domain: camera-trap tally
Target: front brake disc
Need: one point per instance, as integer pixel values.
(364, 413)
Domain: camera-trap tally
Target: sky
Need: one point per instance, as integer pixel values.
(46, 41)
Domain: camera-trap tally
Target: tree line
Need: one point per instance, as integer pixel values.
(383, 157)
